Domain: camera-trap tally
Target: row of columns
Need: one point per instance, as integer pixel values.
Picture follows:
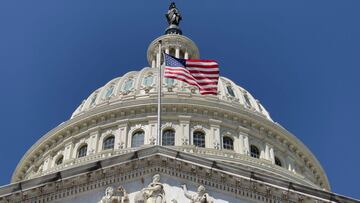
(183, 136)
(167, 51)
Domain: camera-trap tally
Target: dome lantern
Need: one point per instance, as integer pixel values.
(173, 42)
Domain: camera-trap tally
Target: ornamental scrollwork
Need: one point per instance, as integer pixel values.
(167, 125)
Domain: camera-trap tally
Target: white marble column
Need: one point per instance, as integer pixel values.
(214, 140)
(177, 52)
(267, 152)
(93, 142)
(153, 64)
(184, 138)
(291, 164)
(121, 135)
(47, 163)
(151, 130)
(239, 144)
(167, 50)
(246, 145)
(158, 57)
(186, 56)
(271, 155)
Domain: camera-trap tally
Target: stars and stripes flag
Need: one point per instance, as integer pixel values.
(201, 73)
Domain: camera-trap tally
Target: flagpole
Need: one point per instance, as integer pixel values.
(159, 96)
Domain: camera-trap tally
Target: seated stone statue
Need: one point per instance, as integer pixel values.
(153, 193)
(200, 197)
(111, 198)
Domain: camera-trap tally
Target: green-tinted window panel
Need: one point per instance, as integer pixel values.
(128, 84)
(169, 81)
(109, 91)
(148, 80)
(230, 91)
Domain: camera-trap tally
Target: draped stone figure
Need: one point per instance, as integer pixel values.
(173, 15)
(110, 196)
(153, 193)
(200, 197)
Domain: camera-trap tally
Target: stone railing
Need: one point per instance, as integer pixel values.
(86, 159)
(215, 154)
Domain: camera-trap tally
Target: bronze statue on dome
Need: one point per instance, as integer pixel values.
(173, 15)
(173, 18)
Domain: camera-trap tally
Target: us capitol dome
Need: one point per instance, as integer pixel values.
(224, 144)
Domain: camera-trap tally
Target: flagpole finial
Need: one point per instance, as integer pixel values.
(173, 18)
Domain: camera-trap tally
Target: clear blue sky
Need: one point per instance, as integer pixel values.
(299, 58)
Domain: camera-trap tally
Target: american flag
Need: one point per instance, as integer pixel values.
(201, 73)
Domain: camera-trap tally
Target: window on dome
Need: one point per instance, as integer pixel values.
(59, 160)
(230, 91)
(259, 105)
(278, 162)
(247, 100)
(168, 138)
(148, 80)
(228, 143)
(199, 139)
(93, 99)
(82, 151)
(109, 143)
(109, 91)
(137, 139)
(254, 151)
(169, 81)
(128, 84)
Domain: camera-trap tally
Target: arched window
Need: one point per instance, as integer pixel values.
(254, 151)
(199, 139)
(109, 143)
(259, 105)
(137, 139)
(109, 91)
(82, 151)
(59, 160)
(148, 80)
(247, 100)
(128, 84)
(230, 91)
(168, 138)
(93, 99)
(228, 143)
(278, 162)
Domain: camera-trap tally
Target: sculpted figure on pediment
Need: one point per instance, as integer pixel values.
(153, 193)
(200, 197)
(110, 197)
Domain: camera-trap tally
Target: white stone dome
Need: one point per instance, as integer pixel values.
(121, 117)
